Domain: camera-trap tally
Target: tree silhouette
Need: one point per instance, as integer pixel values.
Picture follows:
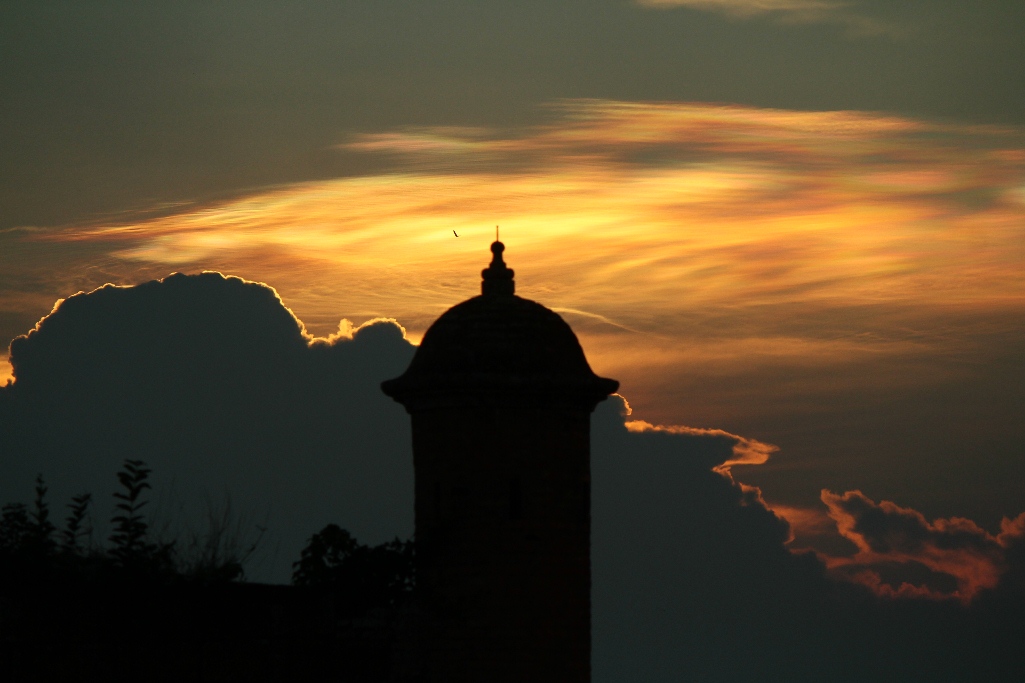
(356, 577)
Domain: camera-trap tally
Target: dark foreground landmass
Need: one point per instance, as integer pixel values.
(120, 630)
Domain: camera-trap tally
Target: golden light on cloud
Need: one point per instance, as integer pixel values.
(745, 451)
(887, 533)
(662, 230)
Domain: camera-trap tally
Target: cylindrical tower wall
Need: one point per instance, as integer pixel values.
(503, 543)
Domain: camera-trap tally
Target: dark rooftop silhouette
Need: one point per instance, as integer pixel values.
(502, 345)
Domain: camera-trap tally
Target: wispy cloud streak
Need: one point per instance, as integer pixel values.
(642, 207)
(751, 7)
(794, 11)
(745, 451)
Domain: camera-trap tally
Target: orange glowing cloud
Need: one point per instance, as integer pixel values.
(887, 533)
(745, 451)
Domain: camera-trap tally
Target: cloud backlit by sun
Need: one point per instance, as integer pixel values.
(671, 235)
(745, 451)
(767, 253)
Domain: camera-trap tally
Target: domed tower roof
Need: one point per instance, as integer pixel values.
(499, 349)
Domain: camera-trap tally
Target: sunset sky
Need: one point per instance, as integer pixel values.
(798, 221)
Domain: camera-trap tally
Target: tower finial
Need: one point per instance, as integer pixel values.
(498, 279)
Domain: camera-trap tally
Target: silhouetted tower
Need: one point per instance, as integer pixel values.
(501, 395)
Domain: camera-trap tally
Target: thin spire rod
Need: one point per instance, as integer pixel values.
(496, 233)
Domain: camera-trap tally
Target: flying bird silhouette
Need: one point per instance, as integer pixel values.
(455, 233)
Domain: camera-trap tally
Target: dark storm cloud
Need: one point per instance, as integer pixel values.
(685, 559)
(214, 383)
(693, 578)
(121, 106)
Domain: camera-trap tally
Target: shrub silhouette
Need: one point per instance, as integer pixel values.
(219, 553)
(131, 548)
(170, 611)
(41, 529)
(75, 524)
(14, 529)
(31, 547)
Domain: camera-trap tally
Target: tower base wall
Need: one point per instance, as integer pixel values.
(503, 543)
